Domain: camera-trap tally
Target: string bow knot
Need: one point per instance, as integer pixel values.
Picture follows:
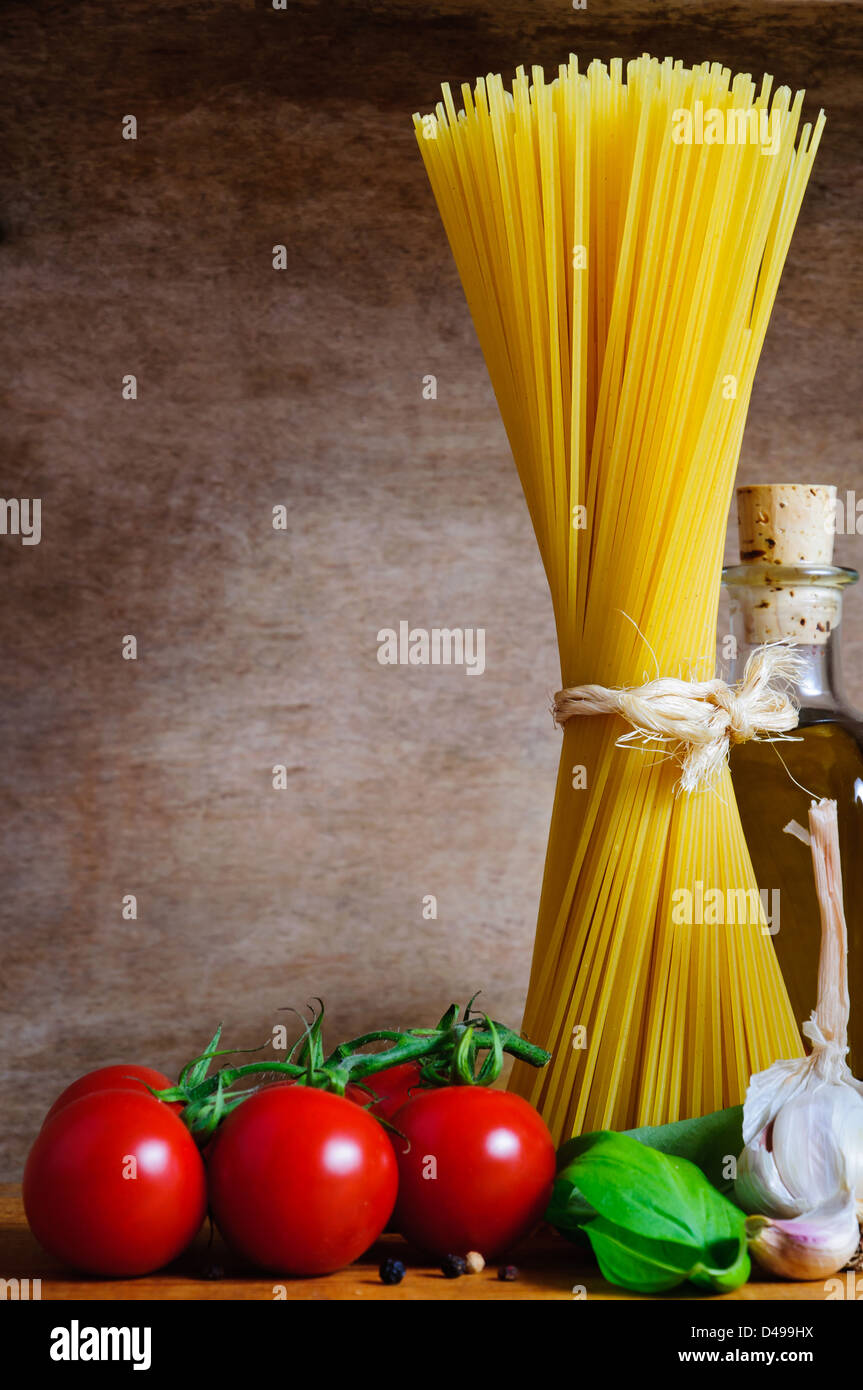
(699, 720)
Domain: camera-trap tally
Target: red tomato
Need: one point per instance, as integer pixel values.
(114, 1184)
(476, 1172)
(393, 1087)
(123, 1077)
(301, 1181)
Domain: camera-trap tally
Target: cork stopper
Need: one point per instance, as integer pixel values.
(788, 524)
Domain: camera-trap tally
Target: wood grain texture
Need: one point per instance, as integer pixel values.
(549, 1268)
(301, 388)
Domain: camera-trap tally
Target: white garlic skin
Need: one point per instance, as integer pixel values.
(811, 1150)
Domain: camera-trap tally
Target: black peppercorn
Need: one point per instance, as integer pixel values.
(391, 1271)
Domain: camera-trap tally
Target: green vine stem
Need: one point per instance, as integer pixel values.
(445, 1055)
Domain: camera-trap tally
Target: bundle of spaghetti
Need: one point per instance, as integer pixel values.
(620, 272)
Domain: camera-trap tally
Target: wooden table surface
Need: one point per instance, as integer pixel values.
(549, 1268)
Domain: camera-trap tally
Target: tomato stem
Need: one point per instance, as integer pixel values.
(447, 1054)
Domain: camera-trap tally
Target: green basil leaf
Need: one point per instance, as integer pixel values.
(643, 1191)
(637, 1262)
(707, 1141)
(658, 1220)
(652, 1266)
(726, 1266)
(567, 1211)
(720, 1221)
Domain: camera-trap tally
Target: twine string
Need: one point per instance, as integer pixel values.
(698, 720)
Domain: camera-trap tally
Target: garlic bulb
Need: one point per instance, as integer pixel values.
(803, 1119)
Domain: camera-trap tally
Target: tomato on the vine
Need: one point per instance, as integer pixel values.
(114, 1184)
(120, 1077)
(476, 1169)
(301, 1181)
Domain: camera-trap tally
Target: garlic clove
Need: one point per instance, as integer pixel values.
(816, 1140)
(758, 1186)
(811, 1246)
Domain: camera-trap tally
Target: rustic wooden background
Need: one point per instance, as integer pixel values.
(302, 388)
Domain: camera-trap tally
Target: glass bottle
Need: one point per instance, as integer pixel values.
(774, 782)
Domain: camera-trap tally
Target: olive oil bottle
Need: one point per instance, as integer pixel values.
(787, 589)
